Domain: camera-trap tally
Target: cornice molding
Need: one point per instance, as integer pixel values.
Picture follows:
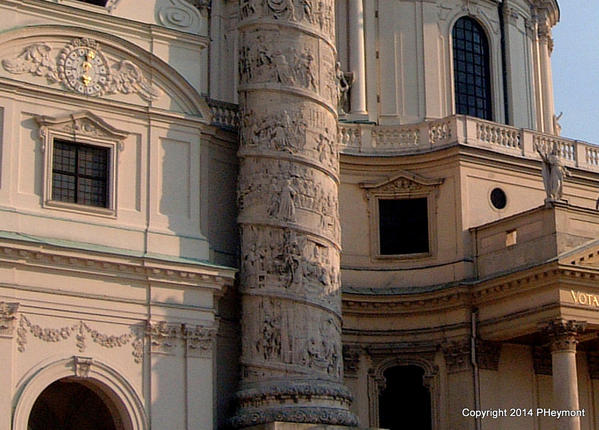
(406, 303)
(143, 268)
(466, 295)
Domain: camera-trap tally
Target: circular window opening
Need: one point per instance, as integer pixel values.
(498, 198)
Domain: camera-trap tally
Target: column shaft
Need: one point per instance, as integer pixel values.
(357, 58)
(288, 215)
(563, 336)
(545, 42)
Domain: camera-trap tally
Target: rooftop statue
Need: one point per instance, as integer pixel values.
(553, 172)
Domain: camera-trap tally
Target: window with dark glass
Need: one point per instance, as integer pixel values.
(80, 173)
(471, 69)
(403, 226)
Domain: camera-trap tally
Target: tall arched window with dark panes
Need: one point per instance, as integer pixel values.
(471, 73)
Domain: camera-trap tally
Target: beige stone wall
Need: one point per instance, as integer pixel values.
(122, 298)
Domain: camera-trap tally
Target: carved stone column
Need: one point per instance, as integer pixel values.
(563, 337)
(288, 214)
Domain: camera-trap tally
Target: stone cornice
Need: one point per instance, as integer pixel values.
(464, 295)
(107, 265)
(405, 303)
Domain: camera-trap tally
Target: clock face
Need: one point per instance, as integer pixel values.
(86, 71)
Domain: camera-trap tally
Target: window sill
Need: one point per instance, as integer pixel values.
(80, 209)
(414, 256)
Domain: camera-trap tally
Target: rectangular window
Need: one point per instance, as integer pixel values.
(80, 173)
(403, 226)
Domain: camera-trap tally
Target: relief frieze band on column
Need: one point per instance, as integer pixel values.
(294, 335)
(267, 57)
(314, 13)
(281, 193)
(289, 262)
(305, 133)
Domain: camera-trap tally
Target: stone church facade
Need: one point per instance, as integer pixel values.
(288, 213)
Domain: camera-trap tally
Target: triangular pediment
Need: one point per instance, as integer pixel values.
(586, 255)
(82, 123)
(402, 182)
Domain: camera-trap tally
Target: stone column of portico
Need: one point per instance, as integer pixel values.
(357, 57)
(288, 215)
(563, 336)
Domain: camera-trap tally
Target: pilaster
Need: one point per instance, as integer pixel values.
(8, 319)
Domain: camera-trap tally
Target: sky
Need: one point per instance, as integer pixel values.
(575, 66)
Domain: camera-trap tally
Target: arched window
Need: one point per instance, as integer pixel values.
(405, 399)
(471, 69)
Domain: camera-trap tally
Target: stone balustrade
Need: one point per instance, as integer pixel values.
(224, 115)
(372, 139)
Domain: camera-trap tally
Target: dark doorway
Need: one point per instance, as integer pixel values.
(405, 402)
(70, 405)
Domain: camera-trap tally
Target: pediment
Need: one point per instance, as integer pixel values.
(401, 183)
(86, 63)
(82, 123)
(584, 256)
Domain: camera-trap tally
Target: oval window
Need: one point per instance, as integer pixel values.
(498, 198)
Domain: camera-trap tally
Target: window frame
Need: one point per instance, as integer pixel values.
(425, 359)
(402, 186)
(79, 146)
(81, 129)
(488, 66)
(428, 227)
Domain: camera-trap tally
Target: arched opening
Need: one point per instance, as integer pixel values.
(471, 69)
(69, 404)
(405, 399)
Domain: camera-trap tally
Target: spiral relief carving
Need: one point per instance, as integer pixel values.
(289, 215)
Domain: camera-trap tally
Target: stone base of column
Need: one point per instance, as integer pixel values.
(311, 403)
(298, 426)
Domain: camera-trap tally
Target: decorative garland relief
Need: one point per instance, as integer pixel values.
(82, 331)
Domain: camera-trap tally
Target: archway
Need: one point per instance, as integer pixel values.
(109, 385)
(405, 399)
(71, 404)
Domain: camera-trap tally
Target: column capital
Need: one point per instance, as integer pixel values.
(8, 316)
(563, 334)
(351, 359)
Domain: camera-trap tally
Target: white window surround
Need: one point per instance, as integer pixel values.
(402, 185)
(82, 128)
